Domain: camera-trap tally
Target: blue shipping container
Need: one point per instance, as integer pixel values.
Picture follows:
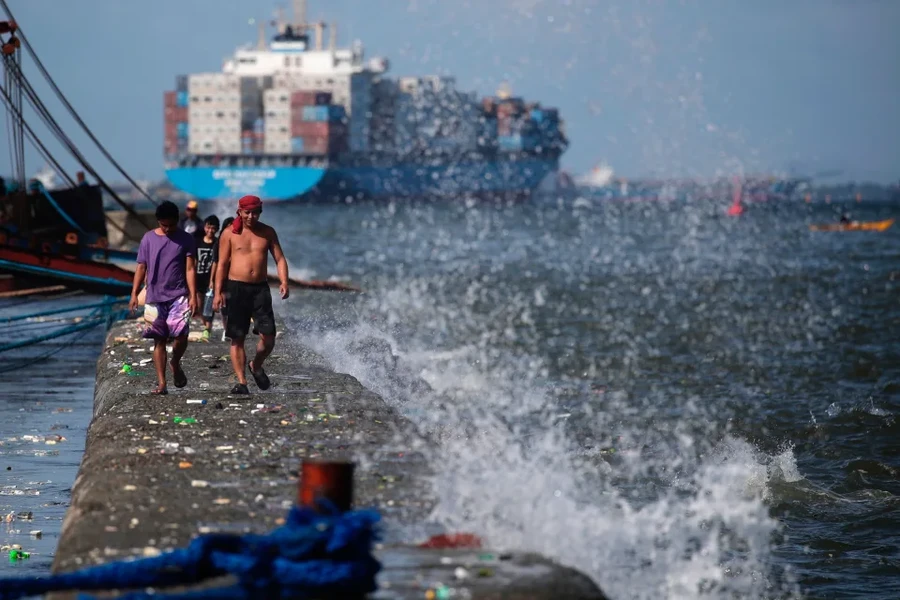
(181, 99)
(537, 115)
(182, 129)
(181, 83)
(517, 142)
(315, 113)
(338, 112)
(297, 144)
(259, 125)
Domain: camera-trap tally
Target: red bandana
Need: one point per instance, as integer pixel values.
(245, 203)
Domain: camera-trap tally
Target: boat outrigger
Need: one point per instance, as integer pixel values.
(883, 225)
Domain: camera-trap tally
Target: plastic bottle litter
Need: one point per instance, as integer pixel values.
(208, 305)
(185, 420)
(15, 554)
(196, 401)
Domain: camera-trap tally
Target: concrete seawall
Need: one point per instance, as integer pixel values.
(148, 484)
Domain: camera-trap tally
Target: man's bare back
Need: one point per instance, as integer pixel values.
(249, 252)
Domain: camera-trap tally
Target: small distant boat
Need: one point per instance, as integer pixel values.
(854, 226)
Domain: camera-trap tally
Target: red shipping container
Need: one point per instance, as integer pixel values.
(309, 128)
(175, 114)
(303, 98)
(171, 130)
(315, 145)
(170, 99)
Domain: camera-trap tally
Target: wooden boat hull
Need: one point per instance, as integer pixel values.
(96, 277)
(854, 226)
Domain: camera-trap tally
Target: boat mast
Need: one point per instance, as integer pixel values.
(12, 67)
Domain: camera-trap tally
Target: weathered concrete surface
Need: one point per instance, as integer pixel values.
(148, 484)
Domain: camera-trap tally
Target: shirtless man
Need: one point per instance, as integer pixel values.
(241, 275)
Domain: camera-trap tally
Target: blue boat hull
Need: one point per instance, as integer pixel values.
(445, 179)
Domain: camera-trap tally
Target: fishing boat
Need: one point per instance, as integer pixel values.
(854, 226)
(52, 236)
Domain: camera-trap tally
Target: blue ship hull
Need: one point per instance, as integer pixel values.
(445, 179)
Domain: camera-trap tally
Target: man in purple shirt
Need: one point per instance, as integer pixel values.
(167, 258)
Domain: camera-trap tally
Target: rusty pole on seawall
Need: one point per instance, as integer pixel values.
(326, 480)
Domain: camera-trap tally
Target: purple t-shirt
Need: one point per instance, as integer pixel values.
(166, 260)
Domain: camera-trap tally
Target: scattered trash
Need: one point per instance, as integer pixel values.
(185, 465)
(130, 488)
(36, 533)
(204, 386)
(199, 483)
(185, 420)
(15, 554)
(222, 501)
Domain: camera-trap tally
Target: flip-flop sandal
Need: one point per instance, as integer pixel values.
(159, 392)
(240, 389)
(260, 377)
(179, 377)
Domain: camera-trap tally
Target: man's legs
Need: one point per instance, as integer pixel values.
(239, 359)
(159, 361)
(179, 346)
(263, 349)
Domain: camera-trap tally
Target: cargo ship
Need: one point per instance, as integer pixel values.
(291, 119)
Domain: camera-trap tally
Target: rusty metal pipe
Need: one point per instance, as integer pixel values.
(329, 480)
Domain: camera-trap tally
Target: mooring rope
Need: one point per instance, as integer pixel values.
(311, 556)
(102, 313)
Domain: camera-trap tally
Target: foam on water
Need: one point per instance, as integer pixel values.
(673, 513)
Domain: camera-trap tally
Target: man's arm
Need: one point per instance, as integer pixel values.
(139, 274)
(192, 283)
(224, 265)
(281, 261)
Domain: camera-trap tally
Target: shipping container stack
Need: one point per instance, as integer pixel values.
(253, 139)
(517, 130)
(277, 127)
(175, 120)
(317, 126)
(215, 113)
(433, 117)
(382, 126)
(359, 110)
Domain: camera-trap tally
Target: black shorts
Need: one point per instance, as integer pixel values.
(245, 300)
(202, 282)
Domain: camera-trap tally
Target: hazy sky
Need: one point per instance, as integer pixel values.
(662, 87)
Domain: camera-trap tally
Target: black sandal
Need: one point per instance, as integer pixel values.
(179, 377)
(240, 389)
(260, 377)
(159, 391)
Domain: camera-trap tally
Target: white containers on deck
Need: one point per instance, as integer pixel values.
(221, 106)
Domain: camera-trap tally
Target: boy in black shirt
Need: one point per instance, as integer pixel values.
(205, 248)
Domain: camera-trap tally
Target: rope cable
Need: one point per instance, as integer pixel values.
(71, 109)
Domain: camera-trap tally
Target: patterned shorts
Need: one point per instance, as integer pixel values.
(167, 320)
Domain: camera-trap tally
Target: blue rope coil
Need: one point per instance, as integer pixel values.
(311, 556)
